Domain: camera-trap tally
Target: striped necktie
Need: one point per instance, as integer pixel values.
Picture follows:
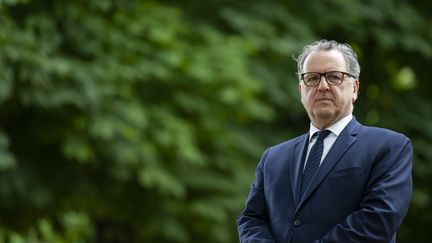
(313, 160)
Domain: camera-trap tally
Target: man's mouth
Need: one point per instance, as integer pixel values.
(323, 99)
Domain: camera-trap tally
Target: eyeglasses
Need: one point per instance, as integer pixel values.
(312, 79)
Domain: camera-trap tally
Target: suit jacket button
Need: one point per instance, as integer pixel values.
(297, 222)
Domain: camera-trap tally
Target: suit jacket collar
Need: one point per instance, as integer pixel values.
(298, 154)
(345, 140)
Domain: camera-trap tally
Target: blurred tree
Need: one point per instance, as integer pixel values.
(143, 121)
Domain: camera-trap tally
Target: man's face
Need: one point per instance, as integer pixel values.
(327, 104)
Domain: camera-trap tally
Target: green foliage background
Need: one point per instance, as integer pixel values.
(143, 121)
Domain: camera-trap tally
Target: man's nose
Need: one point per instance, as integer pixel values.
(323, 85)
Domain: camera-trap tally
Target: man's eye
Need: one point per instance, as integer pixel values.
(313, 79)
(334, 77)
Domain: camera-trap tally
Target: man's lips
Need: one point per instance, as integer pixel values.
(323, 99)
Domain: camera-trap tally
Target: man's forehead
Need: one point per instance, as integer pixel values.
(333, 58)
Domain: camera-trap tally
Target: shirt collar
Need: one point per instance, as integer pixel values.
(336, 128)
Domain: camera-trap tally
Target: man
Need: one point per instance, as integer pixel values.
(348, 183)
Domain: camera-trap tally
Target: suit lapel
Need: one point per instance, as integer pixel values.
(345, 140)
(297, 155)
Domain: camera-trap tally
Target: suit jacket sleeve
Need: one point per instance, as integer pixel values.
(386, 199)
(253, 224)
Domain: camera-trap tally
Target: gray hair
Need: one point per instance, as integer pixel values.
(353, 67)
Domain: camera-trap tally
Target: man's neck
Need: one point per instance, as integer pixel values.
(324, 124)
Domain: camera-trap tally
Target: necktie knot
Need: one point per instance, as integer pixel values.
(321, 135)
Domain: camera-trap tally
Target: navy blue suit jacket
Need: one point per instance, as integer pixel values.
(360, 193)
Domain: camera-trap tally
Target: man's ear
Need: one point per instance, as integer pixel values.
(356, 90)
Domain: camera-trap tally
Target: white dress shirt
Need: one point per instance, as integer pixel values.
(335, 130)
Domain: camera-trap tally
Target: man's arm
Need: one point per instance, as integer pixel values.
(386, 198)
(253, 225)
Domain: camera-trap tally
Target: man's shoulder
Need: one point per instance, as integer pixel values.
(289, 143)
(374, 132)
(281, 150)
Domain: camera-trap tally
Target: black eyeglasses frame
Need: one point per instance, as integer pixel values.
(325, 77)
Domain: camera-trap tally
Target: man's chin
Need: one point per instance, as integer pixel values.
(325, 113)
